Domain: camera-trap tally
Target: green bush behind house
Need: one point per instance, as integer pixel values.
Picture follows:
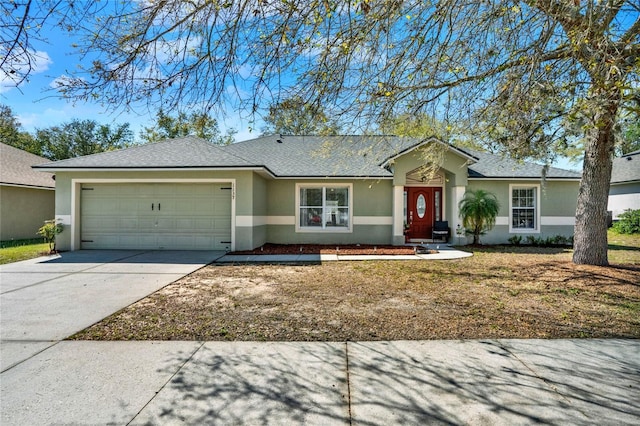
(628, 222)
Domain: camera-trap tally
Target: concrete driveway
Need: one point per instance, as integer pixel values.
(47, 299)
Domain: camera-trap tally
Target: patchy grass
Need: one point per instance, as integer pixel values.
(16, 250)
(500, 292)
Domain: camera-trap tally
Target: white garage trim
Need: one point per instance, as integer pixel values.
(75, 198)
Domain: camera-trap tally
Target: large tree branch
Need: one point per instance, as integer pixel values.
(562, 52)
(631, 33)
(10, 51)
(566, 13)
(613, 8)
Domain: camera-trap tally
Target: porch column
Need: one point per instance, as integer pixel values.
(398, 215)
(457, 193)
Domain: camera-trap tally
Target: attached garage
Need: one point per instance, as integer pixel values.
(156, 216)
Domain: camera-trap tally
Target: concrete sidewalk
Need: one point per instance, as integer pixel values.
(578, 382)
(444, 253)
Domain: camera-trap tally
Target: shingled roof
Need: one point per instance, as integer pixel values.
(492, 166)
(187, 152)
(15, 169)
(626, 168)
(295, 157)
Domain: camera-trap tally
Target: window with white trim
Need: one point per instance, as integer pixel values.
(524, 209)
(324, 208)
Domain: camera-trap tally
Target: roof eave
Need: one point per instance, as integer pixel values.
(139, 168)
(23, 185)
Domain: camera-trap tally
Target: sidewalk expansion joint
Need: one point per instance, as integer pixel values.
(167, 382)
(68, 274)
(346, 355)
(53, 343)
(539, 377)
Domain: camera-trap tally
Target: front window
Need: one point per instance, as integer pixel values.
(524, 208)
(324, 207)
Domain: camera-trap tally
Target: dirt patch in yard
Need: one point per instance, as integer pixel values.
(497, 293)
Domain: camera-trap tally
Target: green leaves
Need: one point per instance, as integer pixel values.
(478, 209)
(197, 124)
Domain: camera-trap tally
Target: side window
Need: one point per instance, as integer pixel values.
(524, 208)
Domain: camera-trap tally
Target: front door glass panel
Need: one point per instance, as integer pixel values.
(421, 206)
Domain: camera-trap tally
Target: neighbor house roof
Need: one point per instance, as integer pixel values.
(626, 168)
(15, 169)
(295, 156)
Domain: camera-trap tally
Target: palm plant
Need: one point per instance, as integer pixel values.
(478, 209)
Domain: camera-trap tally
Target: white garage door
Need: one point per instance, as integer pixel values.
(163, 216)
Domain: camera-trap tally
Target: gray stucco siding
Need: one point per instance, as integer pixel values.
(250, 237)
(625, 188)
(500, 234)
(556, 203)
(361, 234)
(556, 198)
(372, 200)
(371, 197)
(622, 197)
(23, 211)
(559, 198)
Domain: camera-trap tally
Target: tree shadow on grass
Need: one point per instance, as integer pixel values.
(621, 247)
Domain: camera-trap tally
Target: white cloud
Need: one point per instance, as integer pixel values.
(60, 81)
(236, 93)
(42, 62)
(39, 63)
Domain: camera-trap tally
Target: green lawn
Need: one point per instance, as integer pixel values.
(16, 250)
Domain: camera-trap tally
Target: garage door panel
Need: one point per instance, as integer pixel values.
(129, 223)
(184, 216)
(100, 222)
(220, 223)
(204, 223)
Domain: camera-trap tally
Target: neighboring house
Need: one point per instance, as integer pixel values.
(27, 197)
(189, 194)
(624, 192)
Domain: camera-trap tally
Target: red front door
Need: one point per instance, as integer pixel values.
(421, 211)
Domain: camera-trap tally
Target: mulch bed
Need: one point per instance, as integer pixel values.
(350, 249)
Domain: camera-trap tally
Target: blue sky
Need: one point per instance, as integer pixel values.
(37, 106)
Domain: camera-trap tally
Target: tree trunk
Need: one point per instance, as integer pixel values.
(590, 234)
